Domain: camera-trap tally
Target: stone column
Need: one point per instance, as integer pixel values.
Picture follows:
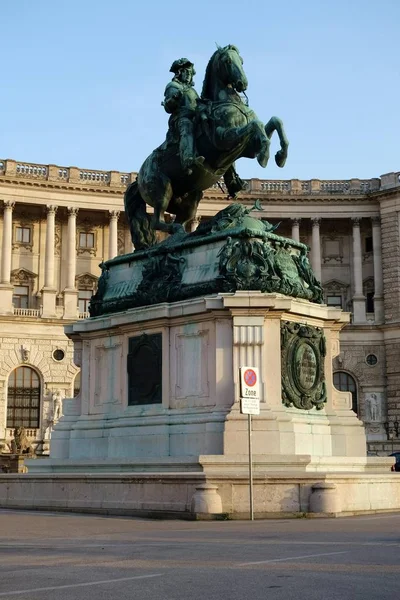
(359, 310)
(378, 270)
(194, 223)
(49, 291)
(113, 234)
(70, 292)
(6, 289)
(316, 248)
(296, 229)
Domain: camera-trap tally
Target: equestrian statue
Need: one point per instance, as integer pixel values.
(206, 135)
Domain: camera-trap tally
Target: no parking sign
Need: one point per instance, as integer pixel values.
(249, 391)
(249, 382)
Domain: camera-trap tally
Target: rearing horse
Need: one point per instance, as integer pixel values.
(227, 129)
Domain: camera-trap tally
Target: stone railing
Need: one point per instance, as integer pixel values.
(117, 179)
(83, 315)
(30, 433)
(99, 177)
(335, 187)
(32, 171)
(26, 312)
(72, 175)
(275, 186)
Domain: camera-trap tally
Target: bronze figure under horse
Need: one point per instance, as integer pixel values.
(227, 129)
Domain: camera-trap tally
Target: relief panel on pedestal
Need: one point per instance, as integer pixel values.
(107, 387)
(192, 387)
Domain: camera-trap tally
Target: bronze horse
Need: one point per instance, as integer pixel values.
(226, 129)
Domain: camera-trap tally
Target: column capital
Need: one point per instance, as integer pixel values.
(356, 221)
(9, 204)
(114, 214)
(296, 220)
(376, 221)
(72, 211)
(51, 209)
(316, 221)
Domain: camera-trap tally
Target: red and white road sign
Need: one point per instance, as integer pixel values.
(249, 382)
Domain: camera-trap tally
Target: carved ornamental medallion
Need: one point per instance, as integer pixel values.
(303, 351)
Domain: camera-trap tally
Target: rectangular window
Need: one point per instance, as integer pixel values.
(21, 296)
(23, 235)
(84, 300)
(368, 244)
(334, 301)
(86, 240)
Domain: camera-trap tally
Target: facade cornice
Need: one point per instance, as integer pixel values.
(113, 183)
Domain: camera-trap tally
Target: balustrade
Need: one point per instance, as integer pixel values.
(63, 173)
(94, 176)
(26, 312)
(275, 186)
(339, 187)
(30, 433)
(27, 170)
(115, 178)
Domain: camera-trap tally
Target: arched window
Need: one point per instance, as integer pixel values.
(77, 384)
(346, 383)
(23, 398)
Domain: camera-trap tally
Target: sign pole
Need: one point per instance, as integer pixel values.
(250, 405)
(250, 470)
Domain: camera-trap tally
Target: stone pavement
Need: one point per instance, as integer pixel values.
(73, 557)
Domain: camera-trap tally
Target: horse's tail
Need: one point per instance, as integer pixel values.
(142, 233)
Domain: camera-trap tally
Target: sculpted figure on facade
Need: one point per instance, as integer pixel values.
(57, 399)
(374, 407)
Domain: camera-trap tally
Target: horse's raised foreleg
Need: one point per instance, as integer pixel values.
(252, 134)
(275, 124)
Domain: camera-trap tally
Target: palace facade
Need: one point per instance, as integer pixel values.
(58, 224)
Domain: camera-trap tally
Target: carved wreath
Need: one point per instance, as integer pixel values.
(303, 350)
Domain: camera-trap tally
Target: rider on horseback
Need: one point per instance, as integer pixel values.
(180, 101)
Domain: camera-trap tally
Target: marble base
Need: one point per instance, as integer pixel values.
(6, 295)
(204, 342)
(196, 495)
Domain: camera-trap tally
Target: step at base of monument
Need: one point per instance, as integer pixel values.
(200, 495)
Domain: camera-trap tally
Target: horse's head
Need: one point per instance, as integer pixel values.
(231, 65)
(226, 66)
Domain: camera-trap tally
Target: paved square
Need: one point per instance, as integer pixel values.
(74, 557)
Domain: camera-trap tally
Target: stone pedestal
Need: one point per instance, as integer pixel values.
(162, 381)
(13, 463)
(6, 294)
(49, 302)
(70, 303)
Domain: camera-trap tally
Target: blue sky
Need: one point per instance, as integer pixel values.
(83, 81)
